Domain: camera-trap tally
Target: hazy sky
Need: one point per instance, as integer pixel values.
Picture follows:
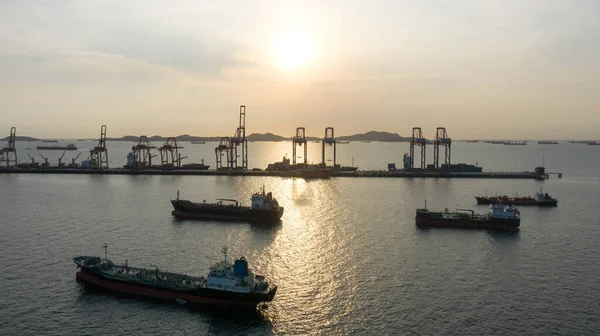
(483, 69)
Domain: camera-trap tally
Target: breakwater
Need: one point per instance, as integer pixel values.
(333, 173)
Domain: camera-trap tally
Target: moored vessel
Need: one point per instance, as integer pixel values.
(498, 217)
(541, 199)
(264, 209)
(306, 171)
(226, 283)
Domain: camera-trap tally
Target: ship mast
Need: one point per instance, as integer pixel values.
(105, 252)
(224, 250)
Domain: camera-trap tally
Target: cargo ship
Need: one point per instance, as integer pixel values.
(541, 199)
(67, 147)
(226, 284)
(264, 209)
(498, 217)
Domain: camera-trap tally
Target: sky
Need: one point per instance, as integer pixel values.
(509, 69)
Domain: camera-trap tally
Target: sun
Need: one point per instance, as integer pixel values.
(293, 49)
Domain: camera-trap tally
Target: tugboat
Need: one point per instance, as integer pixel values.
(499, 217)
(226, 284)
(541, 199)
(264, 209)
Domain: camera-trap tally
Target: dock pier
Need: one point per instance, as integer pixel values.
(240, 172)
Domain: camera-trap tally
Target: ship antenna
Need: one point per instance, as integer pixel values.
(425, 204)
(178, 194)
(224, 250)
(105, 252)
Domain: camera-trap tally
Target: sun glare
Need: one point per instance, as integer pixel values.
(293, 50)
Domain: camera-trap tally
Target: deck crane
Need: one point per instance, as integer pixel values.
(60, 163)
(45, 164)
(73, 164)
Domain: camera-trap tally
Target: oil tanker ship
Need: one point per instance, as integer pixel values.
(264, 209)
(498, 217)
(226, 284)
(541, 199)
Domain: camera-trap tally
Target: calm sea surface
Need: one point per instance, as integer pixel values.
(347, 257)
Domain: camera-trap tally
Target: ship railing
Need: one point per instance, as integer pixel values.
(162, 275)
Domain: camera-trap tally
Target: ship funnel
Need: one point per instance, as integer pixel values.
(240, 267)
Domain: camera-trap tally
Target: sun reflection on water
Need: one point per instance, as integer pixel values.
(309, 259)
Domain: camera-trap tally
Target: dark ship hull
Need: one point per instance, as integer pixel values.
(184, 209)
(426, 218)
(306, 173)
(195, 166)
(55, 148)
(516, 201)
(197, 296)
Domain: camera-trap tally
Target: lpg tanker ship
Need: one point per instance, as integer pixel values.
(226, 284)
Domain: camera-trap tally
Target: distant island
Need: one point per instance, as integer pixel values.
(22, 138)
(369, 136)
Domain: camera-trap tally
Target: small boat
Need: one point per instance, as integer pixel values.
(498, 217)
(264, 209)
(541, 199)
(549, 142)
(226, 284)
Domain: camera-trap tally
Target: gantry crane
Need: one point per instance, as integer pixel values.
(142, 157)
(441, 138)
(235, 148)
(239, 143)
(419, 140)
(328, 140)
(169, 154)
(99, 154)
(8, 154)
(299, 140)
